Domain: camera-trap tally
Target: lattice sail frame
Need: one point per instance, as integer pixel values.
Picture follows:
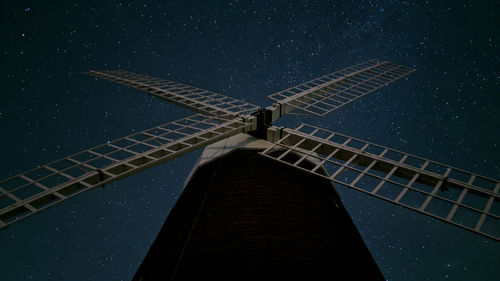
(449, 194)
(193, 98)
(472, 200)
(322, 95)
(37, 189)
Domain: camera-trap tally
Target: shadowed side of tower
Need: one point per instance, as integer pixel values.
(246, 217)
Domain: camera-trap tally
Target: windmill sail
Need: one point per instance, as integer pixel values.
(327, 93)
(35, 190)
(196, 99)
(449, 194)
(461, 198)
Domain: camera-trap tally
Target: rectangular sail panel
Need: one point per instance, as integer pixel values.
(47, 185)
(455, 196)
(196, 99)
(327, 93)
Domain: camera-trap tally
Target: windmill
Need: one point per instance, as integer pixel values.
(457, 197)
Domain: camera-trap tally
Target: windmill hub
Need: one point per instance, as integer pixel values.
(264, 120)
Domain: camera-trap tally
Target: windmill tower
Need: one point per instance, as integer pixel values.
(264, 161)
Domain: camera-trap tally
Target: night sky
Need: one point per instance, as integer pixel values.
(448, 111)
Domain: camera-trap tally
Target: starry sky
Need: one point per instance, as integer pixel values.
(448, 111)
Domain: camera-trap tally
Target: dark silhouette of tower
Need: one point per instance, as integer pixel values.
(246, 217)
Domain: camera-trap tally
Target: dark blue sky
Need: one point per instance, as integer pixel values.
(448, 111)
